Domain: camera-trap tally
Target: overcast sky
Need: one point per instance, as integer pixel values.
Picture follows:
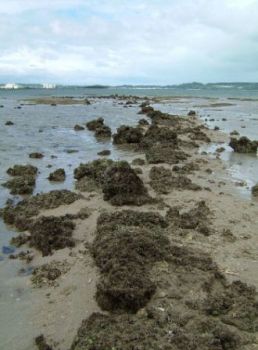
(128, 41)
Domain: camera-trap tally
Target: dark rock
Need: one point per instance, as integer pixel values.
(127, 135)
(122, 185)
(50, 233)
(165, 153)
(138, 161)
(94, 124)
(78, 127)
(191, 113)
(9, 123)
(160, 135)
(58, 175)
(234, 133)
(255, 190)
(41, 343)
(103, 131)
(243, 145)
(22, 170)
(36, 155)
(105, 152)
(143, 122)
(21, 184)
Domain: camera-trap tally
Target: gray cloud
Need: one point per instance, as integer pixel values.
(148, 41)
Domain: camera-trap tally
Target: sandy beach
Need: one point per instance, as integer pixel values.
(165, 279)
(204, 219)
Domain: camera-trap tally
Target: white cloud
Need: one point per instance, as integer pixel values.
(154, 41)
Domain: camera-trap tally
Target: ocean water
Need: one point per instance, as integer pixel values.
(49, 129)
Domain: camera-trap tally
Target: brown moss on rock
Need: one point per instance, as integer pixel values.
(20, 215)
(125, 249)
(123, 186)
(50, 233)
(255, 190)
(47, 274)
(162, 181)
(103, 131)
(94, 124)
(165, 153)
(127, 135)
(22, 170)
(21, 184)
(57, 175)
(36, 155)
(138, 161)
(159, 135)
(243, 145)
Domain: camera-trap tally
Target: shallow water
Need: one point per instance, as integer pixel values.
(48, 129)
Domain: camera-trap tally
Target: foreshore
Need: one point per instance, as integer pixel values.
(161, 254)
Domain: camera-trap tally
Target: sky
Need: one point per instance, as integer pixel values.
(128, 41)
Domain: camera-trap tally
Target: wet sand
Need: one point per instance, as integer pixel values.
(231, 242)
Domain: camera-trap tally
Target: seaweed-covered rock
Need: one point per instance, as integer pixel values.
(198, 134)
(255, 190)
(94, 124)
(36, 155)
(234, 133)
(125, 250)
(159, 135)
(103, 131)
(47, 274)
(165, 153)
(105, 152)
(41, 343)
(58, 175)
(191, 113)
(22, 170)
(162, 181)
(146, 109)
(123, 186)
(9, 123)
(50, 233)
(143, 122)
(127, 135)
(138, 161)
(78, 127)
(243, 145)
(21, 184)
(20, 215)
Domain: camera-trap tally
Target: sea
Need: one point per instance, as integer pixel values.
(50, 130)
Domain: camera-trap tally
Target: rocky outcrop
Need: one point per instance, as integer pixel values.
(127, 135)
(58, 175)
(243, 145)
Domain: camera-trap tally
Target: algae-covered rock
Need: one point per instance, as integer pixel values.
(78, 127)
(125, 249)
(94, 124)
(9, 123)
(36, 155)
(47, 274)
(58, 175)
(21, 184)
(41, 343)
(20, 215)
(22, 170)
(162, 181)
(123, 186)
(255, 190)
(143, 122)
(165, 153)
(243, 145)
(127, 135)
(159, 135)
(50, 233)
(138, 161)
(103, 131)
(105, 152)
